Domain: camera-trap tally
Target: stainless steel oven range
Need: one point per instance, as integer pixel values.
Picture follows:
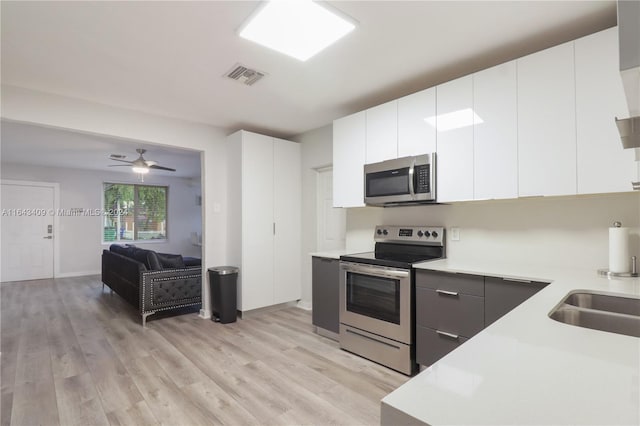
(377, 290)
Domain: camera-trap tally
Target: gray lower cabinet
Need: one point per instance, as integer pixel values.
(449, 310)
(452, 308)
(325, 293)
(502, 295)
(432, 345)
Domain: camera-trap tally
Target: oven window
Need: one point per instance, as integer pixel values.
(394, 182)
(374, 297)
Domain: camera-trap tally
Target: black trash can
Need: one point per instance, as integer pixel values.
(224, 294)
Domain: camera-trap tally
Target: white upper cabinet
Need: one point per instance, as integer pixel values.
(546, 123)
(495, 133)
(349, 138)
(603, 165)
(415, 135)
(382, 132)
(454, 122)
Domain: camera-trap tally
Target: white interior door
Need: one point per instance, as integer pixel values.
(27, 232)
(332, 221)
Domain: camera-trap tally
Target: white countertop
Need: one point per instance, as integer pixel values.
(527, 368)
(331, 254)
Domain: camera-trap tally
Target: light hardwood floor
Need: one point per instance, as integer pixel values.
(74, 355)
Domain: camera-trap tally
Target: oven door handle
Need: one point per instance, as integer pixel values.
(376, 271)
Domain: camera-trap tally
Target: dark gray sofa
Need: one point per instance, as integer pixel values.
(151, 281)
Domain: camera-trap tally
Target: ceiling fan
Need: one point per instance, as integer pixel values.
(139, 165)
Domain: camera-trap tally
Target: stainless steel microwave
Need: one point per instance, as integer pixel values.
(403, 181)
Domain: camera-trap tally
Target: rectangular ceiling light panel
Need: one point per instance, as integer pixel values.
(299, 28)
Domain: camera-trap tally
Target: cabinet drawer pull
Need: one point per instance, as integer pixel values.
(445, 334)
(447, 293)
(517, 280)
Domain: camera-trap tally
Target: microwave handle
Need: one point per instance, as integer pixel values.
(411, 178)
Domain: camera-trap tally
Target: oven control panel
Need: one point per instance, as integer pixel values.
(424, 235)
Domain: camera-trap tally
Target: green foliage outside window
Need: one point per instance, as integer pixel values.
(134, 212)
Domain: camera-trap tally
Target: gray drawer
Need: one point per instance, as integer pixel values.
(461, 314)
(431, 346)
(458, 283)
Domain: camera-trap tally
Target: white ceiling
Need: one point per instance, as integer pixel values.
(44, 146)
(168, 58)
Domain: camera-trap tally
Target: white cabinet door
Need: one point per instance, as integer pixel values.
(546, 123)
(603, 165)
(349, 135)
(382, 132)
(415, 135)
(454, 124)
(495, 138)
(257, 221)
(286, 213)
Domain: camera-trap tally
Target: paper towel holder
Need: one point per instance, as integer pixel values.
(634, 266)
(633, 273)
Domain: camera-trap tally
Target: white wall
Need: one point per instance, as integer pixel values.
(552, 231)
(316, 152)
(80, 237)
(28, 106)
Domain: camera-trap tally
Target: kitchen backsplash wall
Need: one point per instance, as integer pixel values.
(553, 231)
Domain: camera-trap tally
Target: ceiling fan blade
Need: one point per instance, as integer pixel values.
(153, 166)
(122, 161)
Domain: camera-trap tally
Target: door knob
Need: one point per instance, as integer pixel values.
(48, 238)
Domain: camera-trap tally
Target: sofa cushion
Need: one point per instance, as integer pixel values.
(148, 258)
(170, 261)
(122, 250)
(191, 261)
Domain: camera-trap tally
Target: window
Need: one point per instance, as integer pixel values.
(134, 212)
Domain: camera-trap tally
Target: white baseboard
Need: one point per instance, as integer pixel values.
(77, 274)
(204, 314)
(303, 304)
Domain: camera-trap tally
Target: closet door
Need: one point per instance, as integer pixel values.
(286, 212)
(257, 221)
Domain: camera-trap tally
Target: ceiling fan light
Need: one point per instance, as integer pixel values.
(140, 170)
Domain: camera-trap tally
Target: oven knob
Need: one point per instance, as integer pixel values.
(427, 233)
(379, 232)
(434, 234)
(384, 232)
(420, 234)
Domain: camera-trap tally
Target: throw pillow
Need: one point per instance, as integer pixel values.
(170, 261)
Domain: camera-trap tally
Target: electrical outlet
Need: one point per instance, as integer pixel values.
(455, 234)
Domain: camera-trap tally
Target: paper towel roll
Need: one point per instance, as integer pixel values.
(619, 250)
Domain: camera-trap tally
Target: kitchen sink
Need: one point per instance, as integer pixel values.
(605, 312)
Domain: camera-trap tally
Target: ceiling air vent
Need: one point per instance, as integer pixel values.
(244, 75)
(117, 156)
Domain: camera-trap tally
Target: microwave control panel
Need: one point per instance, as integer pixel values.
(422, 172)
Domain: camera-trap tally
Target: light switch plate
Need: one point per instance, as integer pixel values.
(455, 234)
